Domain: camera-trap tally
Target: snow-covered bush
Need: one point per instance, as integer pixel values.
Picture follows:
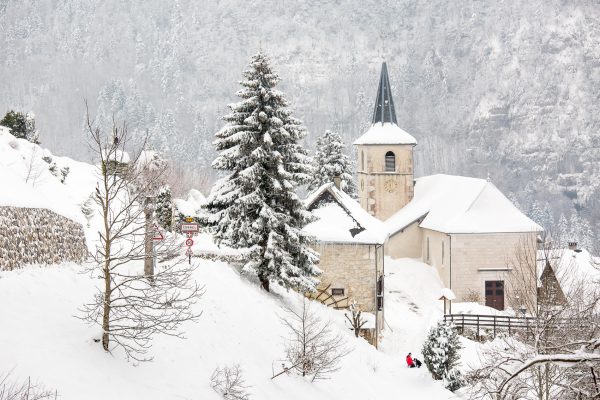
(11, 389)
(229, 383)
(314, 350)
(164, 208)
(21, 125)
(441, 355)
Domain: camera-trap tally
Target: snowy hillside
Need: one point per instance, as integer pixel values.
(26, 173)
(240, 324)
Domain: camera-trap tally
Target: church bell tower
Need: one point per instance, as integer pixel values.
(385, 158)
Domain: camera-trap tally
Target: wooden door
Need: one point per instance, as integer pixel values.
(494, 294)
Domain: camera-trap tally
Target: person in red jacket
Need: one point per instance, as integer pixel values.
(409, 361)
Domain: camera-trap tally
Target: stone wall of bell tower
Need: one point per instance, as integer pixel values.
(385, 178)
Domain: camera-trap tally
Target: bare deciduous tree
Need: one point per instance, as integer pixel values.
(313, 349)
(229, 383)
(355, 318)
(26, 390)
(564, 331)
(130, 306)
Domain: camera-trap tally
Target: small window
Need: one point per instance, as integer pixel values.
(390, 162)
(337, 292)
(442, 252)
(427, 249)
(362, 160)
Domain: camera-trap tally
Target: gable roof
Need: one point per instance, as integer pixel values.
(571, 268)
(341, 219)
(457, 204)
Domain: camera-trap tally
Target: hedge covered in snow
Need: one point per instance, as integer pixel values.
(38, 236)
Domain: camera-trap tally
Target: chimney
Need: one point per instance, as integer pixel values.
(572, 245)
(337, 181)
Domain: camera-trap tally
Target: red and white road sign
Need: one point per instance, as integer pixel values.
(190, 228)
(189, 242)
(188, 252)
(157, 234)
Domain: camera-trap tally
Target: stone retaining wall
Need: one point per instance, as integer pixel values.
(38, 236)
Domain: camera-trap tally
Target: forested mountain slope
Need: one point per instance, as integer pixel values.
(505, 88)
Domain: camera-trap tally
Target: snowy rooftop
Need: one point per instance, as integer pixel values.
(457, 204)
(192, 206)
(342, 220)
(385, 133)
(570, 267)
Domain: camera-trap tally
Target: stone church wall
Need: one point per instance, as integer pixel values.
(406, 244)
(38, 236)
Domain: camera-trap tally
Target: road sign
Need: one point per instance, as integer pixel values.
(189, 252)
(189, 242)
(189, 219)
(190, 228)
(157, 234)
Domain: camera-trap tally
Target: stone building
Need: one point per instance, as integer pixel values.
(465, 227)
(351, 245)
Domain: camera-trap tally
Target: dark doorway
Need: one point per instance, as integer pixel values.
(494, 294)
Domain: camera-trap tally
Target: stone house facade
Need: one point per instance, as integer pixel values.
(351, 246)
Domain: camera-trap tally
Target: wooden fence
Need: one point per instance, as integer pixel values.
(499, 323)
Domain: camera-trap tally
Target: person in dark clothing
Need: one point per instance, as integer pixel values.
(409, 361)
(417, 362)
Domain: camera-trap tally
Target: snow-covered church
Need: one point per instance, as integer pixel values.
(464, 227)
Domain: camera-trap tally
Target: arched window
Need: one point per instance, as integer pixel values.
(362, 160)
(390, 162)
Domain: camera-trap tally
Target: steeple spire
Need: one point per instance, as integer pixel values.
(384, 105)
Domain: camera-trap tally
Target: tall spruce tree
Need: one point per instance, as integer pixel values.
(330, 161)
(255, 207)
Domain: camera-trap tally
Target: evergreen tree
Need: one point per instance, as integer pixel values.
(331, 161)
(563, 231)
(255, 207)
(536, 213)
(164, 208)
(441, 355)
(21, 125)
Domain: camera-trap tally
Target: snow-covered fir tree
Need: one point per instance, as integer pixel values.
(164, 208)
(330, 161)
(441, 355)
(255, 207)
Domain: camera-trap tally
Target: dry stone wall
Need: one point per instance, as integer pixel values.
(38, 236)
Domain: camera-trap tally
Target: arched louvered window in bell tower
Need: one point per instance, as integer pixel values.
(390, 161)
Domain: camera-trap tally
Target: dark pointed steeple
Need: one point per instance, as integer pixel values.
(384, 105)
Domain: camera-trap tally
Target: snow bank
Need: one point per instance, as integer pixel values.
(192, 206)
(28, 182)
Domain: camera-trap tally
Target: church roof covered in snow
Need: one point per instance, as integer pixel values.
(457, 204)
(340, 219)
(384, 128)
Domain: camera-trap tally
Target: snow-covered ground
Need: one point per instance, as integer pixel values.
(240, 323)
(41, 337)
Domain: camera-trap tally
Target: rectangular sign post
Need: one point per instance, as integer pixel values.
(190, 228)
